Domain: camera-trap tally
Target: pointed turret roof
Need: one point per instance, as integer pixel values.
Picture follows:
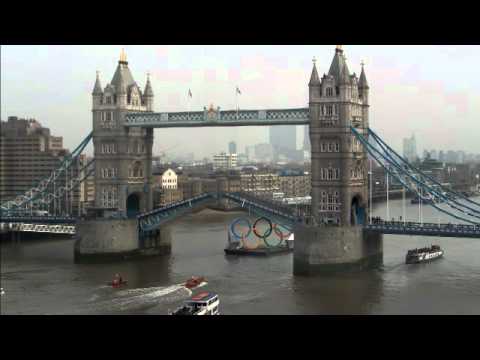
(97, 89)
(362, 83)
(148, 87)
(338, 68)
(314, 79)
(122, 77)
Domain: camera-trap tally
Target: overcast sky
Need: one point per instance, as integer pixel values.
(432, 91)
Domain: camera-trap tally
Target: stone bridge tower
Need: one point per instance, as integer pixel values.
(335, 237)
(123, 181)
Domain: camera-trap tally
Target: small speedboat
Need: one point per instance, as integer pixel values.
(116, 284)
(2, 292)
(416, 256)
(205, 303)
(193, 282)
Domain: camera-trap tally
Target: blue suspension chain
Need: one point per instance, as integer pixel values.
(370, 147)
(454, 193)
(430, 189)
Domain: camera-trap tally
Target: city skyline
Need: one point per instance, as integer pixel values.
(408, 83)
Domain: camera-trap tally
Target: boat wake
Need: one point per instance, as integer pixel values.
(131, 300)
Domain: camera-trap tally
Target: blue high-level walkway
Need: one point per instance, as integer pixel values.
(425, 229)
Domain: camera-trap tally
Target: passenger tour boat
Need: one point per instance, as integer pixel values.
(422, 255)
(205, 303)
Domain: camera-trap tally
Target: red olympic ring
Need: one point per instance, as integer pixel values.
(280, 233)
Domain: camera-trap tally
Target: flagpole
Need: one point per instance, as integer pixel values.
(236, 99)
(189, 98)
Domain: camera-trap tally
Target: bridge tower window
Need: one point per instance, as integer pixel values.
(329, 91)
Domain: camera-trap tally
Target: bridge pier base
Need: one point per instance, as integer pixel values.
(103, 240)
(330, 249)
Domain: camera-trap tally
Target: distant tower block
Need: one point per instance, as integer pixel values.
(123, 180)
(334, 238)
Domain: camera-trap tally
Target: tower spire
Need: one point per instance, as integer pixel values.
(148, 87)
(314, 79)
(362, 83)
(97, 89)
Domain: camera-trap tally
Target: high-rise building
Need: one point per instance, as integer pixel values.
(410, 148)
(224, 161)
(29, 154)
(441, 156)
(264, 152)
(283, 139)
(232, 147)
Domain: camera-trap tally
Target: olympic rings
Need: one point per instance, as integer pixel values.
(235, 222)
(267, 233)
(241, 234)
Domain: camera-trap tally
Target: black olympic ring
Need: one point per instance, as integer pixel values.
(267, 233)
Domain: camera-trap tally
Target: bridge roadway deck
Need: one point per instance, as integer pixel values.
(153, 219)
(38, 219)
(425, 229)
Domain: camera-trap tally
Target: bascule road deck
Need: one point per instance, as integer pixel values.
(215, 118)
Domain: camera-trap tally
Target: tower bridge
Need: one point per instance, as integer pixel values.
(338, 233)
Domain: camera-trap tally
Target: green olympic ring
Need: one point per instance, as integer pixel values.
(280, 236)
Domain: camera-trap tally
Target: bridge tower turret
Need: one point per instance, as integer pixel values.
(123, 180)
(339, 172)
(148, 94)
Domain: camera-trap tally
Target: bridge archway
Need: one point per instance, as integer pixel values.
(133, 205)
(357, 211)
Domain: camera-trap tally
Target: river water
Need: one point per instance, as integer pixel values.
(39, 277)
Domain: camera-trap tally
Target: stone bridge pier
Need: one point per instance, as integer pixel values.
(118, 239)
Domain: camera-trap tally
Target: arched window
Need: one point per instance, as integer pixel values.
(136, 170)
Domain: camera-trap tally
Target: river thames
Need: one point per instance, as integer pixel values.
(39, 277)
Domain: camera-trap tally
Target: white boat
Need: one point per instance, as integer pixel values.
(422, 255)
(290, 240)
(2, 292)
(205, 303)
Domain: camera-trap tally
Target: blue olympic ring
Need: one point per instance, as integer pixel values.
(235, 222)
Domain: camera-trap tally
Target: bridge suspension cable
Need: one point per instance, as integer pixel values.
(30, 197)
(451, 193)
(397, 171)
(431, 190)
